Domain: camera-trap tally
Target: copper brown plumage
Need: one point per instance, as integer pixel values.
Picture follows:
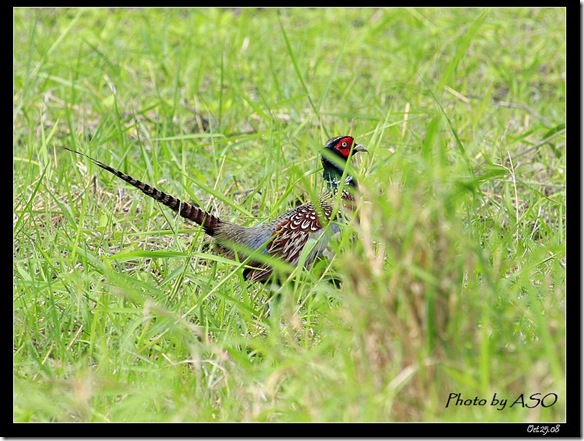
(286, 236)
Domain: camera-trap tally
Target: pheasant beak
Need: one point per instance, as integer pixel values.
(359, 148)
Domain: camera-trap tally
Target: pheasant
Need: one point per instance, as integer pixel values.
(284, 237)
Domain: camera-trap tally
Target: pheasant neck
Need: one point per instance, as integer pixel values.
(332, 176)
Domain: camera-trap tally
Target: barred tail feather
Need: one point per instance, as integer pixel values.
(191, 212)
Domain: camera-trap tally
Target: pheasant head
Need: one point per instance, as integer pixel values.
(336, 152)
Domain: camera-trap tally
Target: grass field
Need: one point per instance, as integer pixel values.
(453, 282)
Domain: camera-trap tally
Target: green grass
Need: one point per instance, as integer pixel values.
(452, 282)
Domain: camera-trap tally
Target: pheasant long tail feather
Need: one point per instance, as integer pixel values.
(191, 212)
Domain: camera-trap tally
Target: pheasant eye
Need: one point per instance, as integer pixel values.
(344, 145)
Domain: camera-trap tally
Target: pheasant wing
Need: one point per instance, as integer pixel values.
(289, 238)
